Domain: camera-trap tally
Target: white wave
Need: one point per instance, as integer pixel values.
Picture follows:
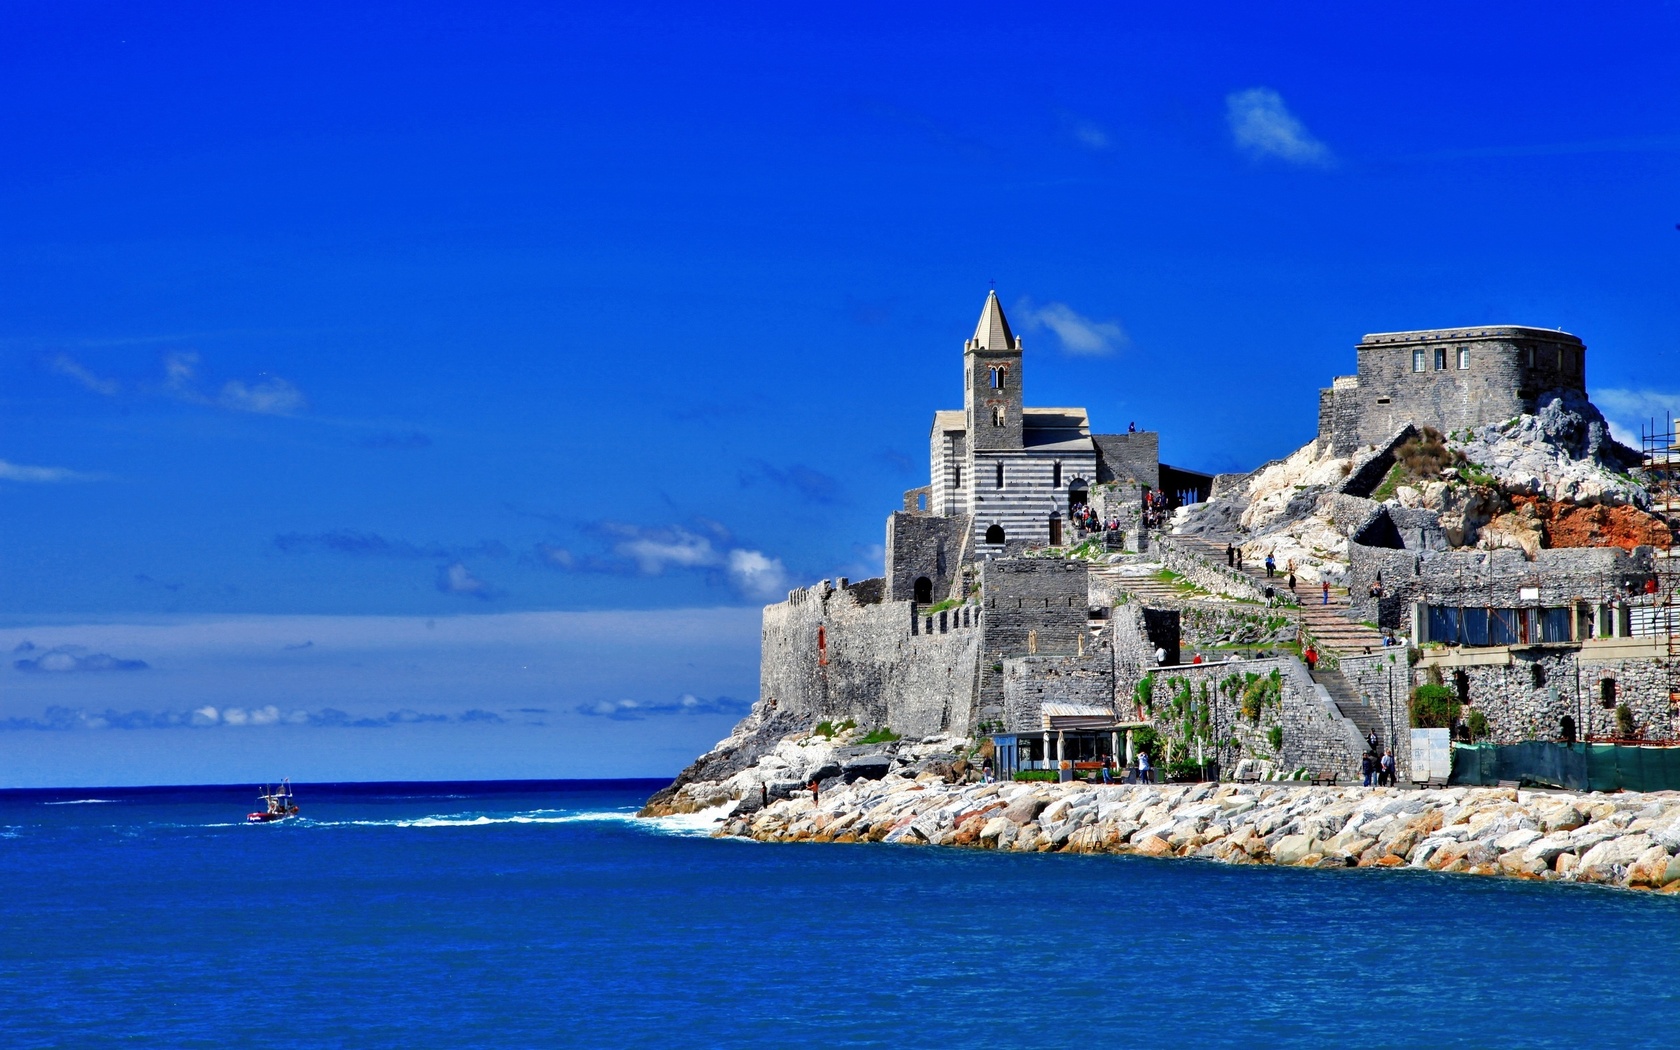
(79, 802)
(541, 816)
(700, 822)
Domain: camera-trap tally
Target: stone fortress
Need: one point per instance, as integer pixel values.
(1463, 519)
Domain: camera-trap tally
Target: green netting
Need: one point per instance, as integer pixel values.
(1580, 767)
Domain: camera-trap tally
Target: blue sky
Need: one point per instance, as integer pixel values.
(357, 314)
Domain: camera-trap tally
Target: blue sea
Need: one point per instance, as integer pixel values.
(527, 915)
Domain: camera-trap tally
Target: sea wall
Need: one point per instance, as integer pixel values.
(1626, 839)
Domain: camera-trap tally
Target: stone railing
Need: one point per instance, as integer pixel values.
(1209, 575)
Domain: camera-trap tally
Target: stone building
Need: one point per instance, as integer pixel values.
(1449, 378)
(1015, 472)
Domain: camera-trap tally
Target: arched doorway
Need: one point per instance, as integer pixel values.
(995, 534)
(1079, 491)
(924, 590)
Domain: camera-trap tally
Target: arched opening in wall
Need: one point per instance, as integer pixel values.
(1607, 693)
(1055, 529)
(1000, 475)
(924, 590)
(1461, 683)
(922, 502)
(1566, 728)
(1537, 673)
(995, 534)
(1079, 492)
(1056, 475)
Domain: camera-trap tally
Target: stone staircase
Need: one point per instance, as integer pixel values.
(1330, 624)
(1353, 707)
(1146, 588)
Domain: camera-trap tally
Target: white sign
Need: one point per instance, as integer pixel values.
(1431, 754)
(1528, 594)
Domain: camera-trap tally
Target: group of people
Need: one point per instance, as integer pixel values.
(1085, 518)
(1155, 510)
(1376, 765)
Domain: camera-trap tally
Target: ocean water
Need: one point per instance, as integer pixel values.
(544, 915)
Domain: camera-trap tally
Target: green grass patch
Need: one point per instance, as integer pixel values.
(882, 735)
(1041, 776)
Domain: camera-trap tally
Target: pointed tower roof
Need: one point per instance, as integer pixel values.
(992, 333)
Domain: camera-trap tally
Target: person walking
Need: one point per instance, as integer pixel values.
(1291, 581)
(1387, 768)
(1373, 743)
(1367, 769)
(1230, 556)
(1325, 584)
(1271, 567)
(1310, 655)
(1143, 767)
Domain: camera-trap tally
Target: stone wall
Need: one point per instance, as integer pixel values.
(1525, 693)
(1134, 458)
(1491, 579)
(1187, 561)
(1030, 682)
(925, 546)
(1040, 603)
(828, 655)
(1315, 734)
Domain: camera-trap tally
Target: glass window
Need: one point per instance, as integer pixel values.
(1440, 357)
(1417, 360)
(1475, 627)
(1443, 624)
(1502, 627)
(1554, 625)
(1463, 358)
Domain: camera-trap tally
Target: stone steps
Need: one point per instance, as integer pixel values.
(1352, 706)
(1329, 624)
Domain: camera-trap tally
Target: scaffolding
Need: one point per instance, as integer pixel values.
(1660, 450)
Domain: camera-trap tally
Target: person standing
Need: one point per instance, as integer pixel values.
(1325, 584)
(1374, 744)
(1387, 768)
(1143, 767)
(1271, 567)
(1291, 581)
(1310, 655)
(1230, 556)
(1367, 767)
(813, 791)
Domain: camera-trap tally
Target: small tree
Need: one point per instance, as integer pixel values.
(1624, 722)
(1434, 707)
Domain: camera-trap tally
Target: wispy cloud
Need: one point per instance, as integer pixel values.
(1087, 133)
(808, 483)
(69, 659)
(70, 368)
(1077, 333)
(211, 716)
(687, 704)
(456, 578)
(1628, 410)
(372, 545)
(43, 475)
(267, 395)
(1262, 126)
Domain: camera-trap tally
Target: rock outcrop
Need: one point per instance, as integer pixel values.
(1628, 840)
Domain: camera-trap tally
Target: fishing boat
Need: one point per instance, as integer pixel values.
(277, 802)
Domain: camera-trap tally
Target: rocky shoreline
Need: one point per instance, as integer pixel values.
(1626, 839)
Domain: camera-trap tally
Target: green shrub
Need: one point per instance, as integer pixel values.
(1046, 776)
(1145, 738)
(1478, 724)
(1434, 707)
(1274, 737)
(825, 728)
(882, 735)
(1624, 721)
(1146, 693)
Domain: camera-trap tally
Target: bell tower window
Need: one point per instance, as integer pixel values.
(1000, 475)
(1056, 476)
(997, 415)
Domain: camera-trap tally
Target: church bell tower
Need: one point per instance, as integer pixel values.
(992, 373)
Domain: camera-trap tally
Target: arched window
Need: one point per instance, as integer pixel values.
(1607, 692)
(997, 415)
(1056, 475)
(995, 533)
(1000, 475)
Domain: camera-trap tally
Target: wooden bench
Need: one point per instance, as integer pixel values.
(1252, 776)
(1325, 778)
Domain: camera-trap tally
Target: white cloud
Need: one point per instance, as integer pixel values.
(1262, 126)
(1078, 334)
(41, 475)
(754, 573)
(270, 397)
(686, 704)
(655, 550)
(1628, 410)
(65, 365)
(457, 579)
(1090, 135)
